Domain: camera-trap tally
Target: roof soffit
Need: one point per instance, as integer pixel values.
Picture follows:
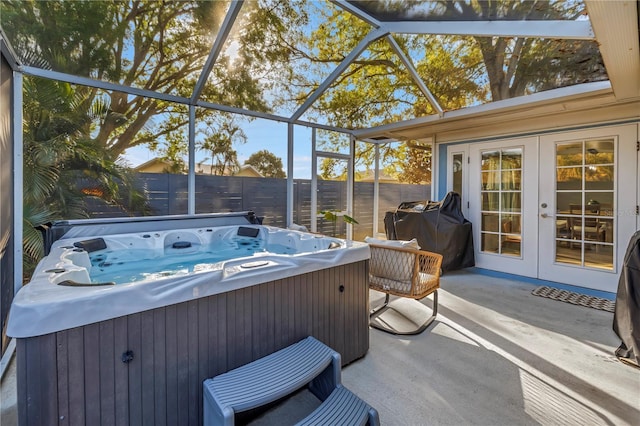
(546, 105)
(615, 24)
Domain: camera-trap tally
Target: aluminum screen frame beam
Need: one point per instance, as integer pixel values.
(414, 75)
(356, 11)
(223, 34)
(364, 43)
(105, 85)
(574, 30)
(267, 116)
(99, 84)
(394, 45)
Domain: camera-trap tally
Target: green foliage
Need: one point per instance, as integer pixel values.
(63, 166)
(156, 45)
(333, 215)
(518, 66)
(416, 164)
(221, 134)
(267, 163)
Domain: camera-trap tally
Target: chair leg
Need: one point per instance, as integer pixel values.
(377, 311)
(380, 309)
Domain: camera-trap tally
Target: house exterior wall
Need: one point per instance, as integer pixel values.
(563, 126)
(515, 124)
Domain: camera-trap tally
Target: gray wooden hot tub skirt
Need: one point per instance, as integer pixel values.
(79, 376)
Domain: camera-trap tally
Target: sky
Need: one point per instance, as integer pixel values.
(261, 134)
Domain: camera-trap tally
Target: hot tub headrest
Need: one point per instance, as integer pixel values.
(92, 245)
(245, 231)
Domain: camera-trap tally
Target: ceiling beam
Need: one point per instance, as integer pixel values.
(101, 84)
(8, 52)
(615, 24)
(369, 38)
(414, 75)
(521, 102)
(272, 117)
(577, 30)
(356, 11)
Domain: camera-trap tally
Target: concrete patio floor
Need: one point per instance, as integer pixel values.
(496, 355)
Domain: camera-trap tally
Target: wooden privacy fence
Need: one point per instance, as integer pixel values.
(167, 195)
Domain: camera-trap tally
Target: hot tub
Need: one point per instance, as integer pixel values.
(122, 316)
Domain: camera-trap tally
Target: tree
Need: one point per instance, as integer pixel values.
(517, 66)
(220, 135)
(459, 71)
(279, 52)
(416, 167)
(267, 164)
(156, 45)
(62, 165)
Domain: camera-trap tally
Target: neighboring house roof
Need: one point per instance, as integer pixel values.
(156, 165)
(244, 171)
(369, 175)
(248, 170)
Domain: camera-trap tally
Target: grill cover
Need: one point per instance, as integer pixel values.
(626, 319)
(439, 227)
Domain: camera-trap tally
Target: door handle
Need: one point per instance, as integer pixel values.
(544, 215)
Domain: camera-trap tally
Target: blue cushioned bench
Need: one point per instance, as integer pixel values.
(307, 362)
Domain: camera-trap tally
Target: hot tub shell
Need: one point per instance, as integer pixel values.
(146, 365)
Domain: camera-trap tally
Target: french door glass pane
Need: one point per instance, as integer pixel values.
(599, 177)
(490, 160)
(490, 201)
(511, 158)
(569, 178)
(568, 154)
(585, 220)
(491, 222)
(599, 152)
(457, 174)
(490, 181)
(511, 202)
(501, 194)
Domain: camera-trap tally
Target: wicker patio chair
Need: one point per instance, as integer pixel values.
(403, 272)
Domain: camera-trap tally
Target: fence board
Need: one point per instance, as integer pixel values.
(167, 194)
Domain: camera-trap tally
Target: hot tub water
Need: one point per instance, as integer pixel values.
(152, 256)
(134, 265)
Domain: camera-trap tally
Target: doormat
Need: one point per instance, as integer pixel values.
(575, 298)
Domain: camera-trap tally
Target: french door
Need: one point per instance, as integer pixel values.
(502, 205)
(587, 205)
(559, 207)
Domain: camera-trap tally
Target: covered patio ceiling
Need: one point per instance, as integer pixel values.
(612, 25)
(615, 27)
